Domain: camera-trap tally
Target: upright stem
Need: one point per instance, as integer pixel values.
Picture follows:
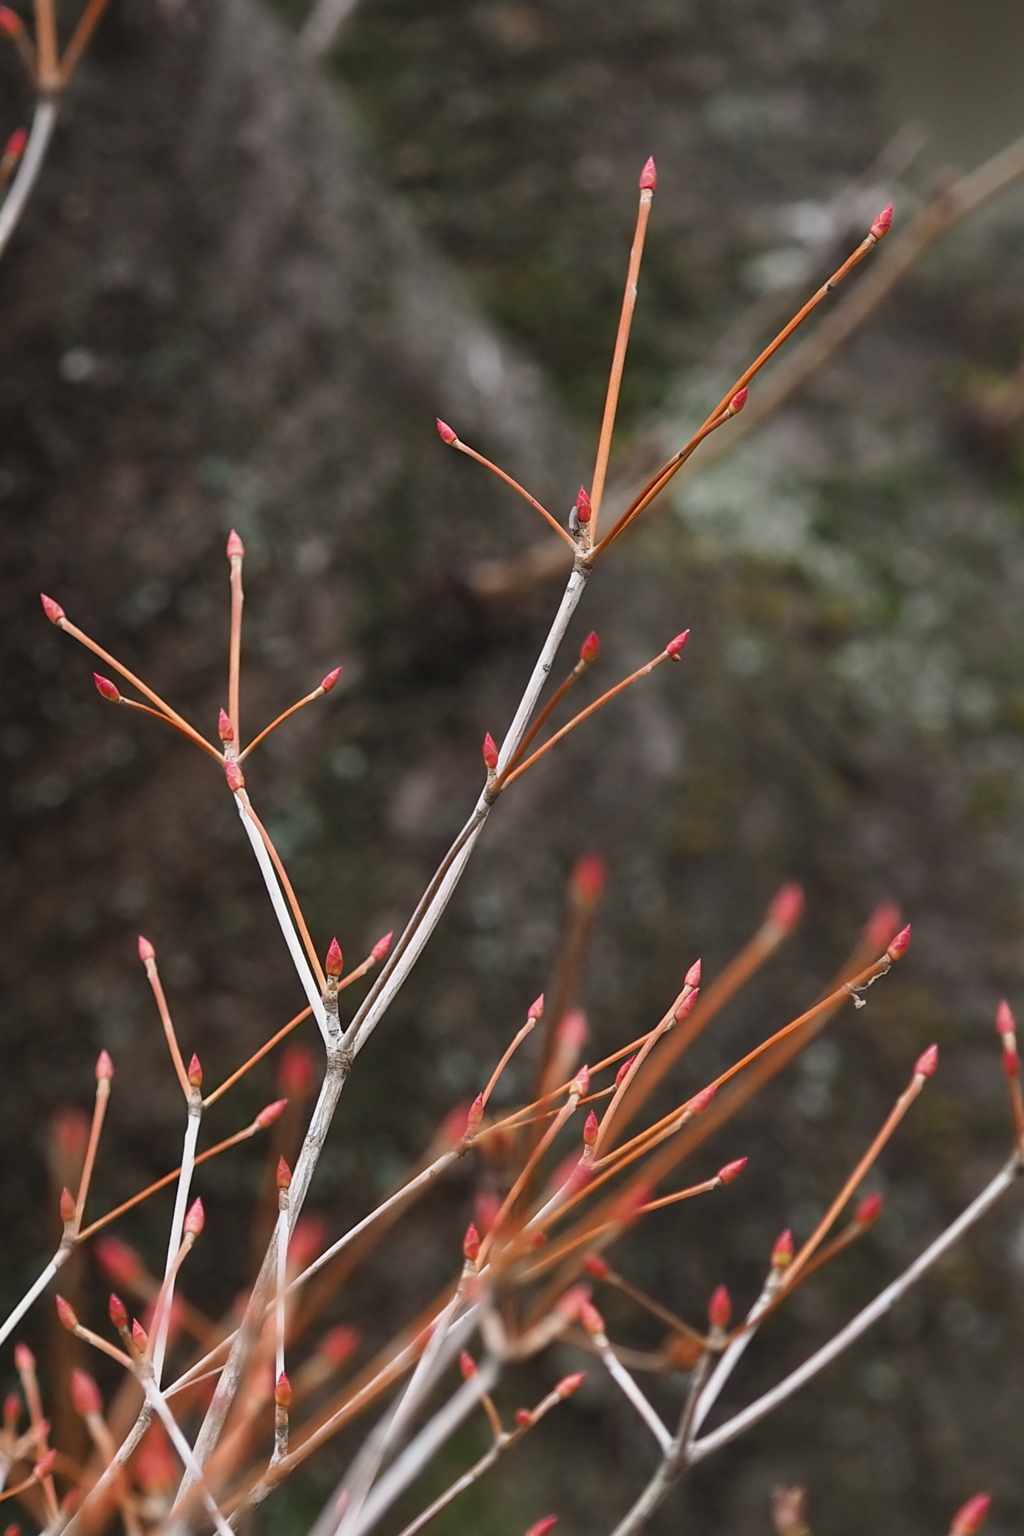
(235, 646)
(188, 1159)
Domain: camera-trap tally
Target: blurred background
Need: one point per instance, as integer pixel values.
(248, 282)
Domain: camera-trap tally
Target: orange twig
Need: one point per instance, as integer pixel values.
(148, 958)
(236, 553)
(268, 1045)
(80, 38)
(454, 441)
(282, 875)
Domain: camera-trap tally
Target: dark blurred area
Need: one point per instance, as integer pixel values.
(245, 287)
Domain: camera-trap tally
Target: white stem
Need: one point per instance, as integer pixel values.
(33, 1291)
(624, 1381)
(188, 1163)
(421, 1451)
(282, 1286)
(882, 1303)
(284, 918)
(184, 1450)
(13, 205)
(730, 1359)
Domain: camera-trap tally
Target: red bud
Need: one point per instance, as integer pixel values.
(591, 1130)
(595, 1264)
(467, 1365)
(580, 1085)
(700, 1101)
(12, 1410)
(899, 944)
(1006, 1024)
(782, 1252)
(968, 1520)
(570, 1384)
(536, 1008)
(738, 401)
(54, 612)
(196, 1219)
(1011, 1062)
(446, 434)
(334, 964)
(692, 977)
(104, 1068)
(649, 175)
(235, 547)
(283, 1391)
(284, 1174)
(523, 1417)
(295, 1072)
(24, 1359)
(234, 776)
(195, 1072)
(471, 1244)
(44, 1466)
(119, 1262)
(584, 511)
(328, 682)
(139, 1337)
(624, 1070)
(733, 1170)
(686, 1005)
(146, 950)
(786, 907)
(66, 1313)
(720, 1308)
(382, 946)
(272, 1112)
(675, 646)
(591, 1318)
(10, 23)
(67, 1206)
(868, 1211)
(475, 1113)
(926, 1063)
(85, 1394)
(590, 650)
(225, 730)
(573, 1029)
(339, 1343)
(542, 1527)
(117, 1312)
(106, 689)
(15, 146)
(490, 752)
(880, 228)
(588, 879)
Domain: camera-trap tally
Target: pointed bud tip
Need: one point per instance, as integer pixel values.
(649, 175)
(596, 1265)
(334, 962)
(471, 1244)
(591, 1130)
(382, 946)
(225, 730)
(675, 646)
(195, 1221)
(899, 945)
(971, 1517)
(272, 1112)
(104, 1067)
(1006, 1024)
(66, 1313)
(700, 1101)
(692, 977)
(54, 612)
(139, 1336)
(584, 510)
(786, 906)
(883, 223)
(235, 547)
(283, 1391)
(590, 650)
(591, 1318)
(782, 1252)
(284, 1174)
(926, 1063)
(146, 950)
(67, 1206)
(738, 401)
(580, 1085)
(720, 1308)
(467, 1365)
(868, 1211)
(105, 688)
(624, 1070)
(732, 1170)
(570, 1384)
(490, 752)
(445, 433)
(536, 1008)
(117, 1311)
(234, 776)
(195, 1072)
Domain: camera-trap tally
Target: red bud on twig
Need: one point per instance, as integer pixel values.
(10, 22)
(54, 612)
(536, 1008)
(720, 1308)
(66, 1313)
(880, 228)
(328, 682)
(649, 175)
(271, 1113)
(118, 1312)
(737, 402)
(146, 950)
(234, 776)
(926, 1063)
(868, 1211)
(283, 1391)
(542, 1527)
(139, 1337)
(584, 511)
(523, 1417)
(686, 1005)
(490, 752)
(591, 1130)
(475, 1113)
(570, 1384)
(588, 879)
(446, 434)
(591, 1318)
(67, 1206)
(624, 1069)
(382, 946)
(700, 1101)
(590, 650)
(692, 977)
(334, 964)
(899, 945)
(195, 1072)
(580, 1085)
(467, 1365)
(786, 907)
(1006, 1024)
(595, 1264)
(196, 1219)
(471, 1244)
(969, 1520)
(106, 689)
(104, 1067)
(732, 1170)
(782, 1252)
(85, 1394)
(284, 1175)
(675, 646)
(235, 547)
(225, 730)
(15, 146)
(44, 1466)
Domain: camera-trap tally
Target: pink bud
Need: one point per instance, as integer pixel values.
(588, 879)
(590, 650)
(649, 175)
(584, 511)
(675, 646)
(490, 752)
(899, 944)
(295, 1073)
(284, 1174)
(567, 1307)
(272, 1112)
(591, 1318)
(868, 1211)
(117, 1312)
(10, 23)
(471, 1244)
(926, 1063)
(195, 1072)
(446, 433)
(738, 401)
(119, 1262)
(968, 1520)
(570, 1384)
(624, 1070)
(720, 1308)
(700, 1101)
(523, 1417)
(106, 689)
(595, 1264)
(733, 1170)
(475, 1113)
(591, 1131)
(15, 146)
(104, 1067)
(334, 964)
(328, 682)
(44, 1466)
(54, 612)
(542, 1527)
(225, 730)
(24, 1359)
(1011, 1062)
(580, 1085)
(67, 1206)
(782, 1252)
(486, 1205)
(786, 907)
(146, 950)
(536, 1008)
(139, 1336)
(283, 1391)
(382, 946)
(235, 547)
(234, 776)
(339, 1343)
(85, 1394)
(1006, 1024)
(66, 1313)
(467, 1365)
(573, 1029)
(692, 977)
(880, 228)
(196, 1219)
(12, 1410)
(686, 1005)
